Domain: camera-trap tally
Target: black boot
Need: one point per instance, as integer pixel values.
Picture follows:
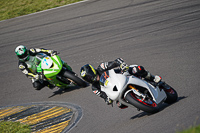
(153, 78)
(46, 83)
(120, 105)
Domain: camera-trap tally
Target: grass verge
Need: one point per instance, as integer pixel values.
(13, 127)
(14, 8)
(195, 129)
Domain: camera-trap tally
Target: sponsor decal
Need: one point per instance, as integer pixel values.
(83, 73)
(134, 70)
(102, 66)
(106, 83)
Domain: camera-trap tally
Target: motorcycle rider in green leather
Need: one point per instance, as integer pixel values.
(28, 64)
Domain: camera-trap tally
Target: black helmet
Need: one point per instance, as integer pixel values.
(88, 73)
(22, 53)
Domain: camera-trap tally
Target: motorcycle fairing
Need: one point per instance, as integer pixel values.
(56, 67)
(113, 84)
(157, 94)
(119, 82)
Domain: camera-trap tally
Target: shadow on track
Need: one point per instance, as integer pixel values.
(162, 107)
(165, 105)
(62, 91)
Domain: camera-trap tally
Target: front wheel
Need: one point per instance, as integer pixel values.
(72, 76)
(147, 104)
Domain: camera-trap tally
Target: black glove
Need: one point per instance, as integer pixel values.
(119, 61)
(124, 67)
(54, 53)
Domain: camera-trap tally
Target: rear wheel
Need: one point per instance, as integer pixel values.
(72, 76)
(147, 104)
(172, 95)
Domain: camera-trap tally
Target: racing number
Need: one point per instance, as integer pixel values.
(105, 75)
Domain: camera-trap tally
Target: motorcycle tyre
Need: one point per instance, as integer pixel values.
(71, 75)
(171, 98)
(140, 105)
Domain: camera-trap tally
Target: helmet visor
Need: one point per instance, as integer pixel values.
(24, 56)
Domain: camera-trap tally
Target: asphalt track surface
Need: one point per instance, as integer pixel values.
(163, 36)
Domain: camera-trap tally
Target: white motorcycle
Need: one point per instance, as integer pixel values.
(136, 92)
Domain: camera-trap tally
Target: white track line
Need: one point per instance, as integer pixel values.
(47, 10)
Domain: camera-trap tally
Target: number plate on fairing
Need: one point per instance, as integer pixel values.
(103, 78)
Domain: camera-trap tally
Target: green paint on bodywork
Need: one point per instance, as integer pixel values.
(51, 73)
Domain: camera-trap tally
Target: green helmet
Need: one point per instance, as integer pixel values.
(22, 53)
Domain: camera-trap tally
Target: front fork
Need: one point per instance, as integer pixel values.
(67, 66)
(136, 91)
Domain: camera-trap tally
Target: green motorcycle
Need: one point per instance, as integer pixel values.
(58, 73)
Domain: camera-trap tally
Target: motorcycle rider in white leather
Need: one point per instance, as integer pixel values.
(92, 75)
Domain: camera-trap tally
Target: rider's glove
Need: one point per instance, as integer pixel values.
(52, 53)
(108, 101)
(157, 79)
(38, 76)
(124, 67)
(119, 60)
